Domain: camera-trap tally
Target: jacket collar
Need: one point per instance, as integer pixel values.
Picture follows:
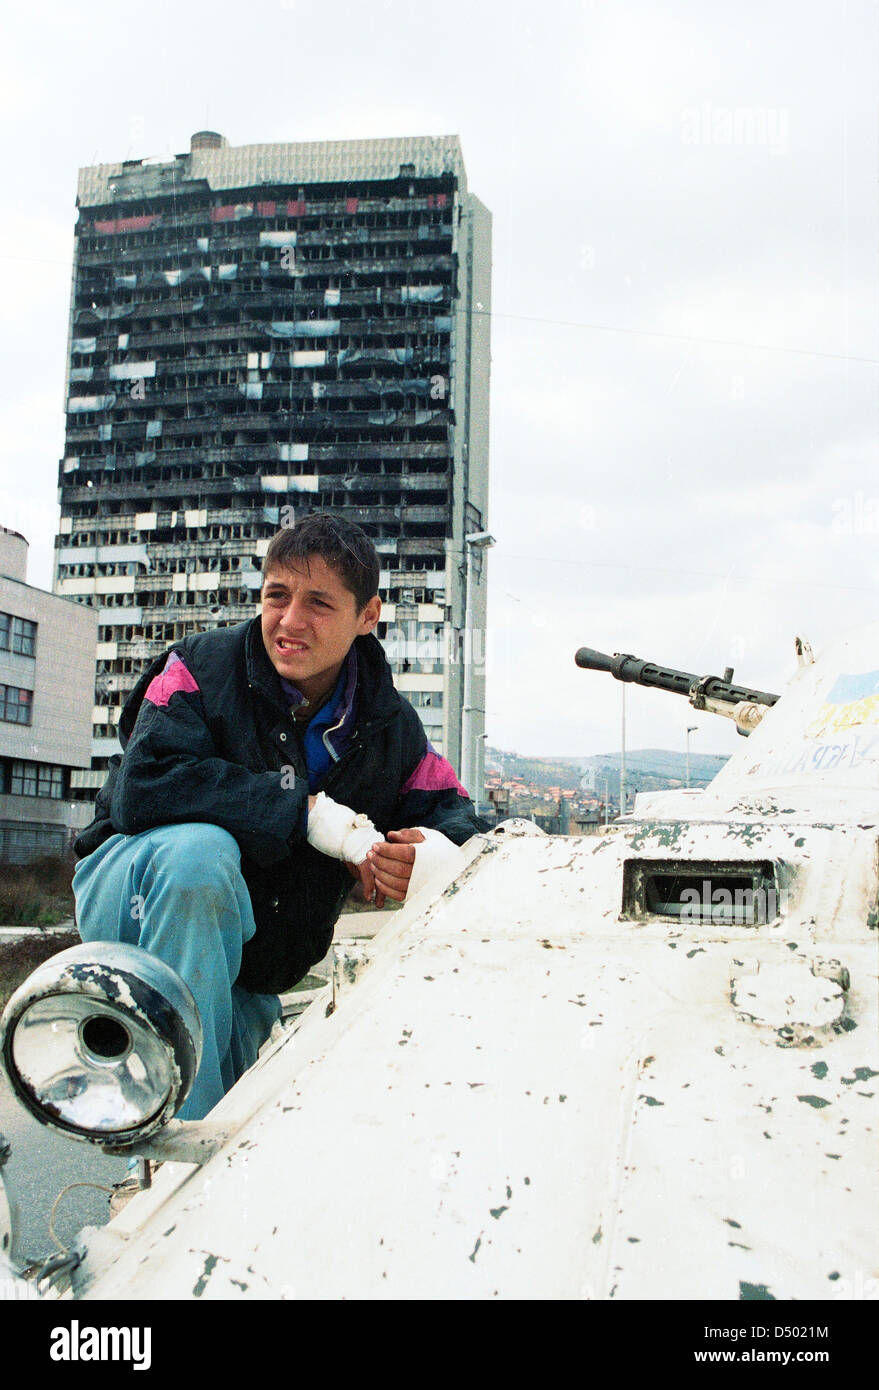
(335, 718)
(371, 689)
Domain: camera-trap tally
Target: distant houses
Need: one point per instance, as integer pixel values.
(556, 809)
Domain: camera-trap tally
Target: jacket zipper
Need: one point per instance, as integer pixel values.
(356, 746)
(328, 746)
(341, 763)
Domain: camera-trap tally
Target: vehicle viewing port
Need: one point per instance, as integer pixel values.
(739, 893)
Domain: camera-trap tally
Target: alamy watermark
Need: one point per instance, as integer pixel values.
(855, 516)
(856, 1287)
(18, 1290)
(741, 905)
(765, 126)
(403, 642)
(77, 1342)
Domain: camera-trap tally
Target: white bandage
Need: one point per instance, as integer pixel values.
(339, 832)
(435, 858)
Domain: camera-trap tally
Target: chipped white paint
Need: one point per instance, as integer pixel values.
(180, 1141)
(350, 959)
(529, 1094)
(789, 995)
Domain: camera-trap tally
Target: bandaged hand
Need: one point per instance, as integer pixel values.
(339, 832)
(408, 859)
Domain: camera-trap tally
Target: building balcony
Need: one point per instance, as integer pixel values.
(219, 295)
(252, 338)
(197, 218)
(148, 486)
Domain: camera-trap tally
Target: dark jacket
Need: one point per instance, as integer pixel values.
(223, 747)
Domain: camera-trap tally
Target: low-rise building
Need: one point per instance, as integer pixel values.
(47, 653)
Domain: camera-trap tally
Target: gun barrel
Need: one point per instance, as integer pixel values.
(593, 661)
(624, 667)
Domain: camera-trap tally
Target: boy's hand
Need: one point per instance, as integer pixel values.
(391, 864)
(364, 875)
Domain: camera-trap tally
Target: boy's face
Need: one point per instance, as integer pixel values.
(309, 620)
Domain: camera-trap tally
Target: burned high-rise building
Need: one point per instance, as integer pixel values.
(264, 331)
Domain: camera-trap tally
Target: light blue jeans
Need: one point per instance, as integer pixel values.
(178, 892)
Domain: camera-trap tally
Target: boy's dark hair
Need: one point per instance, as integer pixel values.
(342, 544)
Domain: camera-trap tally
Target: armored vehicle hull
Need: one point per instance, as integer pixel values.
(636, 1065)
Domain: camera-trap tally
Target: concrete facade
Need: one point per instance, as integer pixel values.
(47, 648)
(262, 332)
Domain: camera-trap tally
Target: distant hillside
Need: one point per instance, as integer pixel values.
(650, 769)
(660, 763)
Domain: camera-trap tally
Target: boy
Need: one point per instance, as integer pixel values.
(264, 764)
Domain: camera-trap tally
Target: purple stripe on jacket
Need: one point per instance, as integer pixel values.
(173, 678)
(433, 774)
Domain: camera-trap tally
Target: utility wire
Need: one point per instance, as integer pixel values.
(677, 337)
(696, 574)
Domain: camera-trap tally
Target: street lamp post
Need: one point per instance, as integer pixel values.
(623, 759)
(692, 729)
(480, 771)
(476, 540)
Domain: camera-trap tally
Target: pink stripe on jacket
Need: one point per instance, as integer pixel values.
(173, 678)
(433, 774)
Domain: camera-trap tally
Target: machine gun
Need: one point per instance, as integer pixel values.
(716, 694)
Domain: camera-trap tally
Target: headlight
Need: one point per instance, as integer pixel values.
(102, 1042)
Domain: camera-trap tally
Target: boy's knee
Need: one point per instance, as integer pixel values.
(195, 854)
(200, 837)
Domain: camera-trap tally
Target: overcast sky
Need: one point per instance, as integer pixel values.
(685, 413)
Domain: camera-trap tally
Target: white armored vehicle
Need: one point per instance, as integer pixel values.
(638, 1064)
